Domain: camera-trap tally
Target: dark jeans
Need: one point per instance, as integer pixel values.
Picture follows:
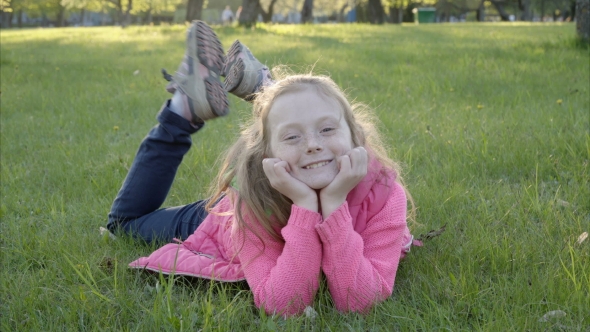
(135, 210)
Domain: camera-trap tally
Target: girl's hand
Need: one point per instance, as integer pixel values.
(277, 172)
(353, 168)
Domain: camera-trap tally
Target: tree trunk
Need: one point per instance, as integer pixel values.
(19, 18)
(542, 10)
(573, 10)
(480, 14)
(583, 20)
(500, 8)
(267, 15)
(250, 11)
(307, 12)
(525, 7)
(44, 20)
(61, 13)
(397, 13)
(341, 17)
(194, 10)
(6, 19)
(119, 16)
(376, 12)
(82, 16)
(127, 19)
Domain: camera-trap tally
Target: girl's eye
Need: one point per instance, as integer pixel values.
(325, 130)
(288, 138)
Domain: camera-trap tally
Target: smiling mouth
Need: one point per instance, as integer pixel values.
(316, 165)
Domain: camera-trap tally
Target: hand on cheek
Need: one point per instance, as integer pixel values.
(278, 173)
(353, 168)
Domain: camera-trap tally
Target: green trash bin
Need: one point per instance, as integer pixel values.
(424, 15)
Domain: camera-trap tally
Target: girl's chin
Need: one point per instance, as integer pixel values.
(318, 183)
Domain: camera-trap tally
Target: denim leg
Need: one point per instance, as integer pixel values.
(148, 182)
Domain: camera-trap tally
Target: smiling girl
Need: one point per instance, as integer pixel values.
(306, 189)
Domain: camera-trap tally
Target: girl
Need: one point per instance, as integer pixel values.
(307, 188)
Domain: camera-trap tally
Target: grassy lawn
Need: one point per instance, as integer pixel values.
(492, 124)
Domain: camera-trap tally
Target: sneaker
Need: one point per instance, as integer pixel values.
(244, 74)
(198, 76)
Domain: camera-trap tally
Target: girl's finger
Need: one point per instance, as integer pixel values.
(345, 165)
(268, 167)
(284, 165)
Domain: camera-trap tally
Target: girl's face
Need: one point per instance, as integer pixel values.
(308, 131)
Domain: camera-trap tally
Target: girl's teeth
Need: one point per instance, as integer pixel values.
(317, 165)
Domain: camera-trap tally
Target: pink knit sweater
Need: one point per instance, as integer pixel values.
(359, 266)
(358, 248)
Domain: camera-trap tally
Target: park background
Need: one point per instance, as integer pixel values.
(489, 120)
(23, 13)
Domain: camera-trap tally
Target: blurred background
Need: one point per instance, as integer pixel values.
(59, 13)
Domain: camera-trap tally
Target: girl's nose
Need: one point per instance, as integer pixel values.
(313, 145)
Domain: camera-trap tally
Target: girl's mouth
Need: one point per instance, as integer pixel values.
(316, 165)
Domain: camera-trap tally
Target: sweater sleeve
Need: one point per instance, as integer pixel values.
(284, 277)
(360, 268)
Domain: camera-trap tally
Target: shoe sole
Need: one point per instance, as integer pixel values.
(209, 53)
(234, 67)
(235, 76)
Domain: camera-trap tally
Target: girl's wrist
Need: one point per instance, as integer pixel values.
(330, 205)
(310, 203)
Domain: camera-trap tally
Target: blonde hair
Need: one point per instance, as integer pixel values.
(243, 161)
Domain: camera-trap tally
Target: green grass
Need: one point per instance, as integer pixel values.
(490, 121)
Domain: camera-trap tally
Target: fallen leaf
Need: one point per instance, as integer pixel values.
(432, 233)
(582, 238)
(104, 231)
(563, 203)
(552, 315)
(135, 73)
(310, 313)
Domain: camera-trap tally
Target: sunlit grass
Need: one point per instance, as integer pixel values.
(491, 122)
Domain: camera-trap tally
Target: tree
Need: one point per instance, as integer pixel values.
(83, 6)
(396, 10)
(6, 12)
(583, 20)
(525, 7)
(376, 12)
(307, 11)
(194, 10)
(150, 7)
(267, 15)
(499, 4)
(250, 11)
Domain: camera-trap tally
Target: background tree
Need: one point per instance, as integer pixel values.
(250, 11)
(149, 8)
(376, 12)
(82, 6)
(194, 10)
(396, 10)
(307, 11)
(583, 20)
(267, 14)
(6, 12)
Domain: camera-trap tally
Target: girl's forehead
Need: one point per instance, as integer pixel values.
(301, 108)
(304, 98)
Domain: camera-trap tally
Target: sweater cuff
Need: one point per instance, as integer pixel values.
(303, 218)
(337, 222)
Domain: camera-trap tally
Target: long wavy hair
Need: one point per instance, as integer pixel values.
(241, 175)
